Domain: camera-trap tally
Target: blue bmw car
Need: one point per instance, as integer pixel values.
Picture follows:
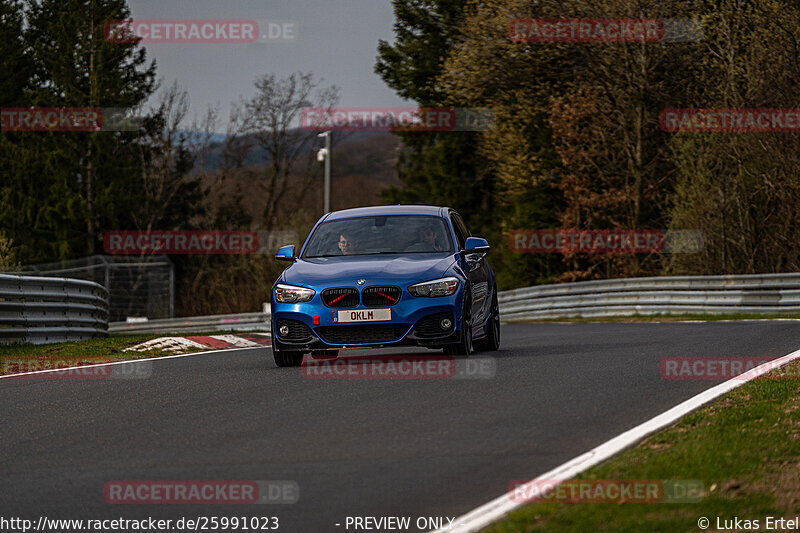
(386, 276)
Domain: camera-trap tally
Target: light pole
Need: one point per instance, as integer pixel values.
(325, 155)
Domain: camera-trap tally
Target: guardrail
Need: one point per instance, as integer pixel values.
(760, 293)
(677, 295)
(239, 322)
(41, 310)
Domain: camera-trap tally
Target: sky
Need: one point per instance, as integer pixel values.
(336, 40)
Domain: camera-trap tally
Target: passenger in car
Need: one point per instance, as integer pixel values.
(427, 235)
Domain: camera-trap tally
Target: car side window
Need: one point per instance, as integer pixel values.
(461, 237)
(460, 223)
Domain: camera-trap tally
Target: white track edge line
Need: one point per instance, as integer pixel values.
(482, 516)
(128, 361)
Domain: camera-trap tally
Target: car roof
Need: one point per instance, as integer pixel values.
(387, 210)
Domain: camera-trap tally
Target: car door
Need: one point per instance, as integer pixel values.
(477, 271)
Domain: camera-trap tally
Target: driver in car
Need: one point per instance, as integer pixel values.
(347, 244)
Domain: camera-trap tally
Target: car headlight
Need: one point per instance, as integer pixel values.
(290, 294)
(436, 287)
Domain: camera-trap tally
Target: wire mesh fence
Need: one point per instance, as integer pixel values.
(138, 286)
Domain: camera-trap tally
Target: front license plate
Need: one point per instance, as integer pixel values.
(364, 315)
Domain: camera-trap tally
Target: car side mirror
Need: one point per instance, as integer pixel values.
(285, 253)
(475, 245)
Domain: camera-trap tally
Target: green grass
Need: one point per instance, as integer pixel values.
(666, 318)
(91, 351)
(744, 448)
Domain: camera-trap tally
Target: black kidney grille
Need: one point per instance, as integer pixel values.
(360, 333)
(342, 297)
(380, 296)
(298, 331)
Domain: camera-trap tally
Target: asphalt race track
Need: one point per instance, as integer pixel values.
(354, 447)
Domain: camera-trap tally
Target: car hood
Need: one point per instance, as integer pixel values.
(395, 269)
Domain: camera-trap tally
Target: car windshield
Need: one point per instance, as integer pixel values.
(392, 234)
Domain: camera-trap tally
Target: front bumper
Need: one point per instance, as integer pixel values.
(415, 322)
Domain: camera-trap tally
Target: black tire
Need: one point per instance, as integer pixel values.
(491, 342)
(464, 346)
(287, 358)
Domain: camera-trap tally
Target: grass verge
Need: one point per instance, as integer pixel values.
(28, 357)
(744, 448)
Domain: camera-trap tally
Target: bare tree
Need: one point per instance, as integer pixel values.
(268, 121)
(167, 159)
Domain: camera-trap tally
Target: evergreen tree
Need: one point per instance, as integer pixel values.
(15, 60)
(18, 181)
(93, 176)
(438, 168)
